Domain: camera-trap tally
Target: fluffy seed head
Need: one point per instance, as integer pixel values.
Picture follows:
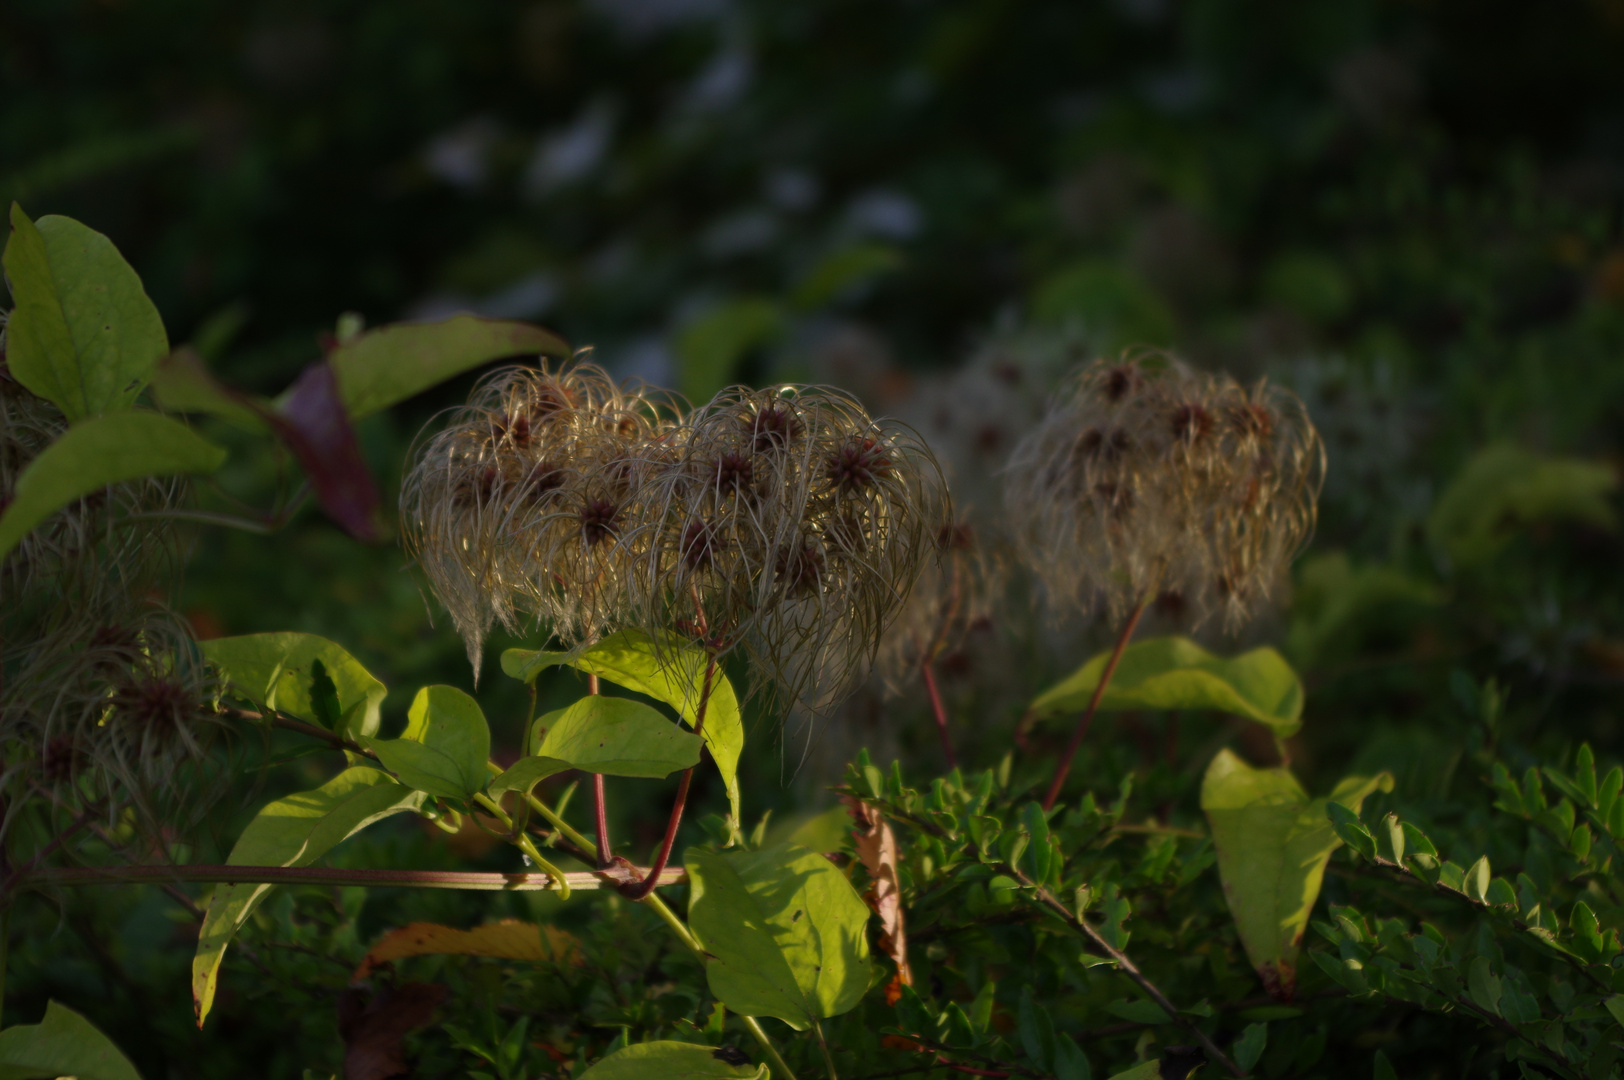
(1150, 477)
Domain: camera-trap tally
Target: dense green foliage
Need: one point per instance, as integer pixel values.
(1409, 213)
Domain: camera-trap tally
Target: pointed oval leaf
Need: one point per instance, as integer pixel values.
(274, 671)
(292, 831)
(393, 363)
(672, 1061)
(84, 334)
(62, 1044)
(784, 932)
(445, 746)
(1176, 673)
(667, 670)
(94, 453)
(1273, 843)
(615, 737)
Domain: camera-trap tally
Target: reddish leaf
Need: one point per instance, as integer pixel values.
(877, 848)
(314, 425)
(375, 1031)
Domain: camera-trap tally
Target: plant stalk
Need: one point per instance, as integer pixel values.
(206, 874)
(1063, 768)
(524, 843)
(644, 887)
(927, 669)
(599, 811)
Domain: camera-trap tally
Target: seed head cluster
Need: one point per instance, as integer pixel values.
(1150, 478)
(784, 524)
(104, 701)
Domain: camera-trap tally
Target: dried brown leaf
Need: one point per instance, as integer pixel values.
(877, 848)
(509, 939)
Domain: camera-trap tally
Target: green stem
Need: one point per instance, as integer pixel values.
(561, 825)
(823, 1044)
(5, 955)
(524, 843)
(779, 1064)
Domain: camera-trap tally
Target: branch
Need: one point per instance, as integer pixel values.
(323, 875)
(1127, 967)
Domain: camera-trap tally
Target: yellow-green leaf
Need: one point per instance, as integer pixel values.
(670, 671)
(63, 1044)
(84, 334)
(671, 1061)
(1273, 842)
(95, 453)
(274, 672)
(392, 363)
(1176, 673)
(1505, 487)
(784, 932)
(445, 747)
(292, 831)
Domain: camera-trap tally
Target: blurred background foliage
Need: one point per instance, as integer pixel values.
(1407, 210)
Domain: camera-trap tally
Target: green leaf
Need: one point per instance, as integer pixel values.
(1615, 1006)
(1139, 1011)
(445, 746)
(1505, 487)
(393, 363)
(1070, 1063)
(1249, 1047)
(1334, 597)
(97, 452)
(667, 670)
(1176, 673)
(63, 1044)
(710, 347)
(1145, 1070)
(671, 1061)
(841, 271)
(784, 932)
(1273, 843)
(526, 773)
(182, 382)
(292, 831)
(1383, 1069)
(84, 334)
(1036, 1029)
(278, 671)
(1483, 985)
(612, 736)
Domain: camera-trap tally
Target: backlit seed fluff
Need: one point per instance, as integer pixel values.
(513, 511)
(1148, 477)
(790, 525)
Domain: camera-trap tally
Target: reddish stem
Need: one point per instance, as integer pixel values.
(646, 886)
(928, 670)
(600, 814)
(1064, 767)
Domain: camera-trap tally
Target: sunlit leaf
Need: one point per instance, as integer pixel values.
(275, 671)
(1273, 843)
(393, 363)
(670, 671)
(292, 831)
(1176, 673)
(97, 452)
(84, 334)
(63, 1044)
(672, 1061)
(445, 748)
(784, 932)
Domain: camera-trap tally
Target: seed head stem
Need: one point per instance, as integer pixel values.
(600, 813)
(644, 887)
(1064, 767)
(927, 669)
